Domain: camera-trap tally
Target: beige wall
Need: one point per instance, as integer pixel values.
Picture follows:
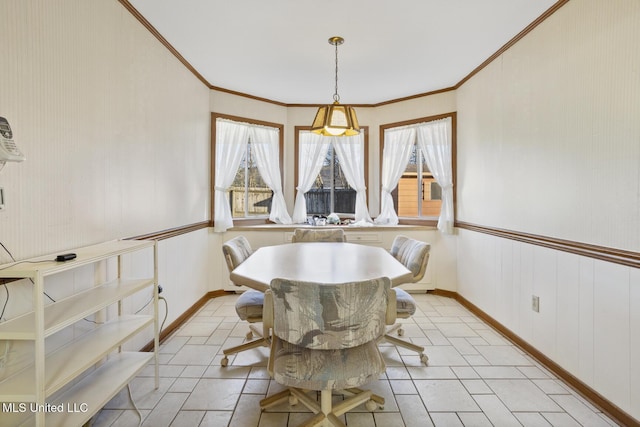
(549, 143)
(558, 114)
(116, 134)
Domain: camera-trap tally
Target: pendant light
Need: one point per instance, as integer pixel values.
(336, 119)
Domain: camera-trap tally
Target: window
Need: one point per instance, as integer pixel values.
(410, 191)
(249, 195)
(329, 190)
(246, 179)
(415, 197)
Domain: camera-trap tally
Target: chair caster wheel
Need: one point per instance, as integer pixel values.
(249, 336)
(400, 332)
(424, 359)
(293, 401)
(371, 405)
(224, 362)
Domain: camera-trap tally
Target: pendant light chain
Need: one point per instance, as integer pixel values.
(335, 119)
(336, 97)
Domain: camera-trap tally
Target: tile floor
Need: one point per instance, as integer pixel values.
(475, 377)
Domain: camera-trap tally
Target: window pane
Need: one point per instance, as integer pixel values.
(432, 195)
(249, 195)
(416, 199)
(407, 201)
(331, 191)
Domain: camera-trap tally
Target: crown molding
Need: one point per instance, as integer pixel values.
(475, 71)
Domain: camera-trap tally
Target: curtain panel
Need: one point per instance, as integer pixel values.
(395, 157)
(264, 143)
(434, 140)
(312, 149)
(350, 151)
(231, 145)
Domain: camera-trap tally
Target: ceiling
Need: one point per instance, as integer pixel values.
(279, 49)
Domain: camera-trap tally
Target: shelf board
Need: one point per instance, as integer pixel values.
(65, 312)
(69, 361)
(95, 390)
(46, 266)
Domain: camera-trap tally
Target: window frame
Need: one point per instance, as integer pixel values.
(279, 126)
(453, 115)
(363, 129)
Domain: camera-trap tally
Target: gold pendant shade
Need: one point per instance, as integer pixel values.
(336, 120)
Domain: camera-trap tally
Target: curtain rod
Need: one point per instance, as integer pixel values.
(255, 125)
(417, 125)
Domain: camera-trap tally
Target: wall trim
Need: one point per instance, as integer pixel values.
(603, 253)
(583, 389)
(172, 232)
(476, 70)
(163, 41)
(553, 9)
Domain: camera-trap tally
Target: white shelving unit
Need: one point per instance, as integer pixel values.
(95, 356)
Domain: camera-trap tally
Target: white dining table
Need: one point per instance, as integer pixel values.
(325, 262)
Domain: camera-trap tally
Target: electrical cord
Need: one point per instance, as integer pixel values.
(6, 288)
(134, 405)
(26, 262)
(4, 307)
(143, 307)
(7, 251)
(166, 313)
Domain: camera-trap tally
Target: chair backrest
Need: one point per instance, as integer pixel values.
(414, 254)
(331, 316)
(236, 251)
(315, 235)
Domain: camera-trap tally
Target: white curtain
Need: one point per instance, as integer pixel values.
(231, 145)
(434, 140)
(312, 150)
(350, 151)
(264, 144)
(398, 144)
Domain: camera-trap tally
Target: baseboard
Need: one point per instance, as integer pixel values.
(583, 389)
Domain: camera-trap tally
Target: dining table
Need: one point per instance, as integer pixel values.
(325, 262)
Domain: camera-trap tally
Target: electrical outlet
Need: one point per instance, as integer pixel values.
(535, 303)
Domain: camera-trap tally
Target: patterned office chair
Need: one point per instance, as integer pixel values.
(414, 254)
(324, 339)
(249, 305)
(315, 235)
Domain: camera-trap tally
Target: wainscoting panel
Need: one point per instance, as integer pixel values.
(611, 332)
(634, 334)
(588, 321)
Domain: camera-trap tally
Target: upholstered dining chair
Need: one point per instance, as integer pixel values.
(249, 305)
(324, 338)
(414, 254)
(316, 235)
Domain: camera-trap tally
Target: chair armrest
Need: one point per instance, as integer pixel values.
(267, 310)
(392, 309)
(267, 325)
